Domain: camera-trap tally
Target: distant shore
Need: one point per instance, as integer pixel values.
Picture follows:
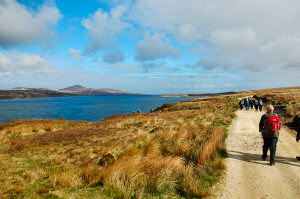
(73, 91)
(172, 95)
(197, 95)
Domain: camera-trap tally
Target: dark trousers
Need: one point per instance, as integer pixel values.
(260, 108)
(256, 107)
(270, 143)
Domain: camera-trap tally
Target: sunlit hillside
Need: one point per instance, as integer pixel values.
(172, 152)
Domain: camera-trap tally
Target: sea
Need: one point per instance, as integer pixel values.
(87, 108)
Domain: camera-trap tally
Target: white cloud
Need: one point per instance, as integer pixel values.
(5, 62)
(5, 74)
(75, 53)
(103, 28)
(155, 47)
(19, 25)
(234, 37)
(202, 17)
(30, 60)
(251, 38)
(21, 64)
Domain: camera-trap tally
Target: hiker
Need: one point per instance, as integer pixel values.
(251, 103)
(269, 127)
(256, 104)
(297, 139)
(247, 104)
(260, 104)
(241, 103)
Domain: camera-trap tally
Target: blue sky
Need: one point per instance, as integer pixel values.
(156, 47)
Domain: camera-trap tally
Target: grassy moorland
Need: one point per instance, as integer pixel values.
(174, 152)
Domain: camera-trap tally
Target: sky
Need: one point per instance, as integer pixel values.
(153, 47)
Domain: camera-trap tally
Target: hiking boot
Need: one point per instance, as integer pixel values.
(272, 163)
(263, 158)
(298, 157)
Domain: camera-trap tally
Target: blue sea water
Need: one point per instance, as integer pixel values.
(88, 108)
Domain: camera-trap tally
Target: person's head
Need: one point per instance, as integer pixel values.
(270, 108)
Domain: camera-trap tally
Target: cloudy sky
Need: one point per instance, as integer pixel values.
(150, 46)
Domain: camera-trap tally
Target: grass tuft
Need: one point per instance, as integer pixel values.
(173, 152)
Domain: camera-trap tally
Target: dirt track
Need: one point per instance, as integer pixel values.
(247, 175)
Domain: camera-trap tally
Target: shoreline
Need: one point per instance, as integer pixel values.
(199, 95)
(45, 97)
(98, 98)
(149, 140)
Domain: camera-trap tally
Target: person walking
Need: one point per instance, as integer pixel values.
(251, 103)
(269, 126)
(297, 139)
(260, 105)
(247, 104)
(241, 103)
(256, 104)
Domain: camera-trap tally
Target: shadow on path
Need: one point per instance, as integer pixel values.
(256, 158)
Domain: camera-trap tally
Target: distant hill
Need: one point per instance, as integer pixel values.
(83, 91)
(31, 93)
(75, 90)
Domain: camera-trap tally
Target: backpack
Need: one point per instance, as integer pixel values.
(272, 125)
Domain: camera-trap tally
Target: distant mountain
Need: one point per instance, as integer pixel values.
(19, 93)
(80, 90)
(21, 88)
(75, 90)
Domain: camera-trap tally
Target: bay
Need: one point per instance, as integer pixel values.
(87, 108)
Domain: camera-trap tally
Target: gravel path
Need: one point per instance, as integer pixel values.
(247, 175)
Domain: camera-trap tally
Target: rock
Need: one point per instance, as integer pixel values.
(106, 160)
(139, 111)
(61, 118)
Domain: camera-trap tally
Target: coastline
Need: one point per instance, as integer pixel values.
(199, 95)
(178, 146)
(87, 108)
(147, 141)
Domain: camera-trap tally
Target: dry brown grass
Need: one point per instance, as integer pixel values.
(132, 176)
(69, 178)
(191, 183)
(212, 145)
(166, 153)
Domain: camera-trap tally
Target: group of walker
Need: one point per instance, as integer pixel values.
(269, 126)
(248, 103)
